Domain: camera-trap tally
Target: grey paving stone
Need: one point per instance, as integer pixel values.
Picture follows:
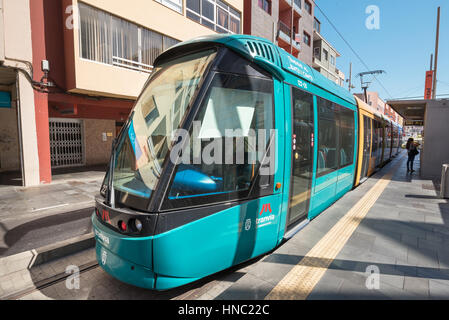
(355, 288)
(327, 288)
(418, 286)
(362, 240)
(438, 289)
(247, 288)
(296, 246)
(433, 273)
(432, 236)
(411, 216)
(392, 280)
(351, 251)
(395, 293)
(409, 240)
(422, 257)
(395, 249)
(270, 272)
(430, 244)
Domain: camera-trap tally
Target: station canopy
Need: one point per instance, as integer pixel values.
(411, 110)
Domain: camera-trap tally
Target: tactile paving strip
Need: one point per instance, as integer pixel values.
(302, 279)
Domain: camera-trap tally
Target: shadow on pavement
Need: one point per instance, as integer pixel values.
(44, 231)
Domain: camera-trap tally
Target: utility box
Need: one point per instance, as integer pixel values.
(445, 182)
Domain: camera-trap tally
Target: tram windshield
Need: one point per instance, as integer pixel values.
(142, 148)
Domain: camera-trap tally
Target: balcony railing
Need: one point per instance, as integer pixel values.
(133, 65)
(284, 28)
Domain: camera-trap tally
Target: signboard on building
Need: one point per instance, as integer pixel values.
(429, 85)
(414, 123)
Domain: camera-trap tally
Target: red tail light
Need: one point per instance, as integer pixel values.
(122, 225)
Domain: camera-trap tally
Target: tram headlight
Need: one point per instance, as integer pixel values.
(138, 225)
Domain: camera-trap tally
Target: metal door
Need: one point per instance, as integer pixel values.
(66, 143)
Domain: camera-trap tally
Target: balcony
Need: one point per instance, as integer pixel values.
(297, 6)
(285, 40)
(132, 65)
(284, 32)
(317, 63)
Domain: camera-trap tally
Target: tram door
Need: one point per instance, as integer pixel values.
(302, 162)
(366, 147)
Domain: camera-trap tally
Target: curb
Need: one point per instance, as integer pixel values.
(36, 257)
(62, 249)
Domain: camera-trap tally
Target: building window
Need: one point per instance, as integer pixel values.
(307, 38)
(265, 5)
(308, 6)
(108, 39)
(332, 60)
(172, 4)
(326, 55)
(214, 14)
(317, 25)
(317, 53)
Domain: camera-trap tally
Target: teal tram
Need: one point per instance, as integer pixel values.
(232, 147)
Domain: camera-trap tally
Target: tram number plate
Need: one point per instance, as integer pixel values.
(302, 84)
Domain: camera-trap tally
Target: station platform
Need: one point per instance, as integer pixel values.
(386, 239)
(390, 243)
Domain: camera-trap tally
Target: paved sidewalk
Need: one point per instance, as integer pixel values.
(405, 235)
(37, 216)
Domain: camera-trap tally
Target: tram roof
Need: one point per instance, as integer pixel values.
(268, 56)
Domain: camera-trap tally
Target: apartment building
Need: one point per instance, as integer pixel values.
(292, 25)
(325, 56)
(306, 31)
(275, 20)
(71, 71)
(380, 106)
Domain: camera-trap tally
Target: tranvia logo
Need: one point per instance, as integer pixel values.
(104, 256)
(265, 208)
(105, 216)
(248, 224)
(265, 221)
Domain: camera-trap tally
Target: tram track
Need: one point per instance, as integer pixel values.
(46, 283)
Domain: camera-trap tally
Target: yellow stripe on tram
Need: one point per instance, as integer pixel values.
(302, 279)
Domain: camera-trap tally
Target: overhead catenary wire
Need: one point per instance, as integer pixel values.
(351, 48)
(420, 97)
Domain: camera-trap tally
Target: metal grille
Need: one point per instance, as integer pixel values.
(66, 143)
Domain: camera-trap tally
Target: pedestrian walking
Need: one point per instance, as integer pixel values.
(412, 153)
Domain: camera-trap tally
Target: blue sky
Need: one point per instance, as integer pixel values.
(402, 46)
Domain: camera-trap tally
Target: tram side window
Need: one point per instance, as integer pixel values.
(346, 128)
(327, 137)
(229, 139)
(375, 138)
